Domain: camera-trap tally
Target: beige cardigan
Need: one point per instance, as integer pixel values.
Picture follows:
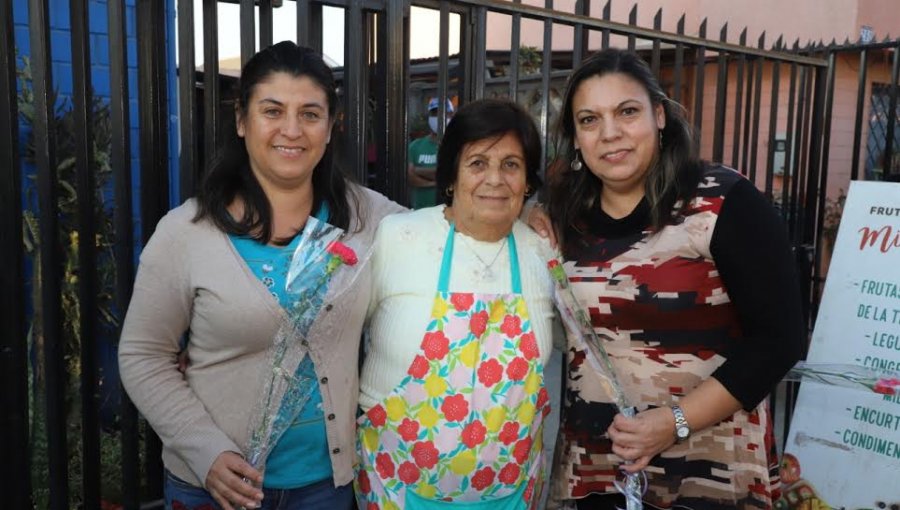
(191, 279)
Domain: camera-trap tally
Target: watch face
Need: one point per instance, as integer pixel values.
(683, 432)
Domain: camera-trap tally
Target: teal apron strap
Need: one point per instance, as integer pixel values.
(323, 213)
(444, 279)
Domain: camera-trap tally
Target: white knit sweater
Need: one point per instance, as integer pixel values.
(406, 266)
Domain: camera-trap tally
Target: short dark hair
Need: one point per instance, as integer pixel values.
(478, 120)
(673, 177)
(231, 176)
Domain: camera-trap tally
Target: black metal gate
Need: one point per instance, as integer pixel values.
(83, 281)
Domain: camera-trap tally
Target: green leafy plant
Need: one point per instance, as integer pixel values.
(63, 128)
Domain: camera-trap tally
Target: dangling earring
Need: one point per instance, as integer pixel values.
(449, 192)
(576, 165)
(527, 190)
(660, 139)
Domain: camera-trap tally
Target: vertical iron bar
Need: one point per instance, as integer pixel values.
(396, 81)
(679, 62)
(757, 98)
(815, 154)
(721, 101)
(632, 20)
(265, 23)
(212, 128)
(354, 85)
(607, 14)
(515, 40)
(51, 253)
(154, 154)
(823, 173)
(187, 100)
(248, 30)
(120, 163)
(748, 116)
(443, 65)
(738, 102)
(892, 119)
(480, 52)
(789, 171)
(700, 76)
(860, 106)
(546, 69)
(15, 479)
(800, 155)
(773, 127)
(655, 56)
(579, 35)
(303, 22)
(82, 101)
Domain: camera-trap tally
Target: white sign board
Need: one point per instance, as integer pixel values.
(844, 444)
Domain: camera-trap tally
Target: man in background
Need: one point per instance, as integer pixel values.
(423, 160)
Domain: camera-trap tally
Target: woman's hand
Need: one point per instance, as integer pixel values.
(642, 437)
(227, 482)
(539, 221)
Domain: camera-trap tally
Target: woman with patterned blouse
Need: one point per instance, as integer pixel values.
(688, 277)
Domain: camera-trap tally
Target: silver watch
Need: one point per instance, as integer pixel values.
(682, 429)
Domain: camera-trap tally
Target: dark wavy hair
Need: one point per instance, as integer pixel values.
(231, 177)
(478, 120)
(673, 176)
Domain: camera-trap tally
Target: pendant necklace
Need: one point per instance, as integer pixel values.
(487, 273)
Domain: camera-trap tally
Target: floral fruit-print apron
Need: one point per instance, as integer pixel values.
(463, 428)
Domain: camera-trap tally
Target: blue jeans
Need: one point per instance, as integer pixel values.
(323, 495)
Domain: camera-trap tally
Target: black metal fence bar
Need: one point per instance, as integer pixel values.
(212, 132)
(787, 200)
(738, 102)
(604, 33)
(266, 24)
(88, 315)
(479, 51)
(801, 153)
(303, 22)
(580, 36)
(248, 30)
(632, 21)
(757, 106)
(355, 93)
(120, 164)
(718, 153)
(773, 128)
(678, 69)
(154, 158)
(822, 184)
(887, 157)
(860, 105)
(699, 79)
(45, 144)
(189, 156)
(396, 83)
(655, 52)
(15, 479)
(546, 70)
(515, 38)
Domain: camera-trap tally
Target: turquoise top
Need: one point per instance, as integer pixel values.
(301, 455)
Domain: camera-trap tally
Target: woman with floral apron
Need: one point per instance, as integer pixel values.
(463, 426)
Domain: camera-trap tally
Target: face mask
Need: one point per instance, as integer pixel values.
(433, 124)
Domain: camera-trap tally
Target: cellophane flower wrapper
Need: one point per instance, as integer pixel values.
(578, 325)
(857, 377)
(321, 265)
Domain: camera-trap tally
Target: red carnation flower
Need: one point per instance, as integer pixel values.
(343, 252)
(377, 415)
(552, 263)
(409, 473)
(542, 398)
(408, 429)
(528, 346)
(363, 481)
(436, 345)
(462, 301)
(425, 454)
(455, 408)
(510, 473)
(473, 434)
(490, 372)
(384, 465)
(509, 433)
(483, 478)
(521, 450)
(517, 369)
(478, 323)
(511, 326)
(419, 367)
